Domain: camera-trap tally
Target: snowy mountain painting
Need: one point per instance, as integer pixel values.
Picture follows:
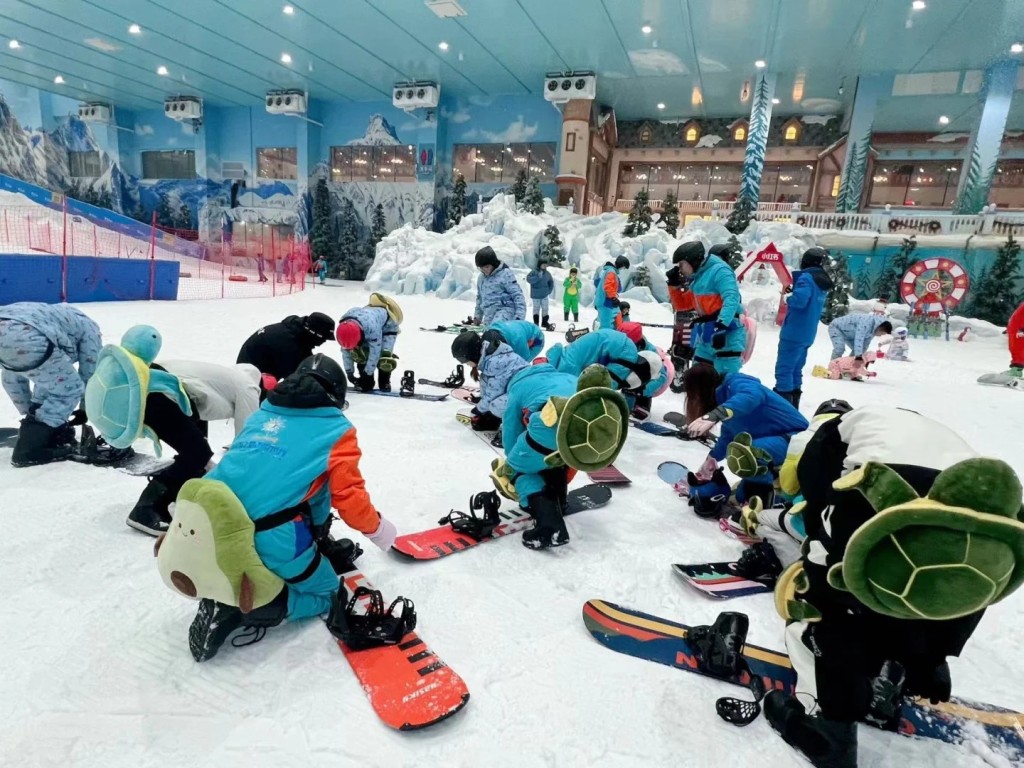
(379, 133)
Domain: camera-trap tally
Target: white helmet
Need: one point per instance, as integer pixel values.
(636, 380)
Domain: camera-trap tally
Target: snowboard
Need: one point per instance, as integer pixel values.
(660, 430)
(416, 396)
(408, 686)
(455, 328)
(674, 473)
(8, 437)
(657, 325)
(432, 383)
(574, 333)
(719, 580)
(467, 395)
(609, 476)
(491, 437)
(143, 465)
(435, 543)
(656, 639)
(991, 379)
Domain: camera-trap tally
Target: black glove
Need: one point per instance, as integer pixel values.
(614, 302)
(859, 358)
(718, 339)
(674, 278)
(78, 418)
(365, 383)
(929, 682)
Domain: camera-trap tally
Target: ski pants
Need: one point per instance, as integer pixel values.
(728, 359)
(185, 434)
(789, 366)
(528, 462)
(608, 317)
(54, 387)
(499, 314)
(540, 306)
(839, 343)
(571, 303)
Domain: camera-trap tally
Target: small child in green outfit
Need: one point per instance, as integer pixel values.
(571, 295)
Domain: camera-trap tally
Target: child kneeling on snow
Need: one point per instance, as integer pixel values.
(898, 346)
(850, 367)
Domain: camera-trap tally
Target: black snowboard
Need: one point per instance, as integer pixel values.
(8, 437)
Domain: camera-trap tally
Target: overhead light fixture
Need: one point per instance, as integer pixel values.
(58, 80)
(776, 101)
(288, 10)
(161, 70)
(14, 44)
(286, 58)
(443, 45)
(134, 29)
(919, 5)
(647, 29)
(661, 105)
(760, 64)
(1017, 48)
(943, 120)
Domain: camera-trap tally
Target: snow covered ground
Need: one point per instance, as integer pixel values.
(95, 668)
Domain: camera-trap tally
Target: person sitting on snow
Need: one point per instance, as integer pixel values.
(607, 287)
(278, 348)
(494, 357)
(849, 368)
(542, 285)
(564, 423)
(367, 337)
(295, 459)
(498, 295)
(898, 348)
(856, 332)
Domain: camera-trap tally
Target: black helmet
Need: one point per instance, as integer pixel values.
(721, 251)
(320, 327)
(486, 257)
(624, 307)
(467, 347)
(813, 257)
(833, 406)
(621, 262)
(692, 253)
(318, 382)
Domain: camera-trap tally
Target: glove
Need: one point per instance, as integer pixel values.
(269, 381)
(385, 534)
(78, 418)
(718, 339)
(614, 302)
(706, 469)
(929, 682)
(673, 277)
(700, 427)
(365, 383)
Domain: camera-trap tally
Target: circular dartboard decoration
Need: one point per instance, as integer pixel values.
(934, 285)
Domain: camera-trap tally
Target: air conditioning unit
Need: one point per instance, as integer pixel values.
(184, 108)
(95, 112)
(286, 102)
(559, 88)
(416, 95)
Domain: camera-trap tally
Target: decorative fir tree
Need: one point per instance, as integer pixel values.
(837, 303)
(641, 277)
(533, 202)
(139, 213)
(862, 283)
(184, 218)
(740, 216)
(996, 295)
(320, 240)
(378, 231)
(103, 200)
(735, 253)
(164, 212)
(639, 220)
(670, 213)
(349, 251)
(551, 250)
(519, 188)
(457, 203)
(887, 285)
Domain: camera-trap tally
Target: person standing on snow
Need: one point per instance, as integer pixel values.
(571, 295)
(804, 303)
(856, 332)
(367, 336)
(277, 349)
(718, 330)
(1014, 376)
(498, 295)
(684, 308)
(493, 361)
(39, 347)
(542, 285)
(607, 287)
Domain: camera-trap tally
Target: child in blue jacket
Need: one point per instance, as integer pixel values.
(805, 303)
(498, 295)
(493, 362)
(542, 285)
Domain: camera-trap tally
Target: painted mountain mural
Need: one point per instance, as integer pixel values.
(379, 133)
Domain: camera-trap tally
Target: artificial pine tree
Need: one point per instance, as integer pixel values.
(349, 257)
(641, 277)
(457, 203)
(378, 231)
(320, 240)
(887, 285)
(862, 284)
(997, 295)
(740, 216)
(139, 213)
(837, 303)
(670, 213)
(533, 202)
(735, 253)
(551, 248)
(164, 212)
(519, 188)
(184, 218)
(639, 220)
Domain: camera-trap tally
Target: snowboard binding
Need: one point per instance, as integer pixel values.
(886, 697)
(408, 385)
(376, 627)
(476, 527)
(457, 379)
(95, 450)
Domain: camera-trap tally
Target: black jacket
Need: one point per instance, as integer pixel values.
(278, 349)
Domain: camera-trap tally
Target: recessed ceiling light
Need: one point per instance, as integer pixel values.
(776, 101)
(760, 64)
(288, 10)
(14, 44)
(943, 120)
(161, 70)
(661, 105)
(58, 80)
(1017, 48)
(919, 5)
(135, 29)
(443, 45)
(286, 58)
(647, 29)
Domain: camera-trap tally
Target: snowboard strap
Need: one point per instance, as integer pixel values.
(374, 628)
(476, 527)
(886, 697)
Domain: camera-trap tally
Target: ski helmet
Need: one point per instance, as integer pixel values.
(349, 334)
(486, 257)
(319, 326)
(634, 331)
(721, 251)
(621, 262)
(833, 406)
(327, 373)
(902, 333)
(813, 257)
(692, 253)
(646, 369)
(467, 347)
(624, 307)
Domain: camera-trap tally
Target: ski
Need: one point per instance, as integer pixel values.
(610, 475)
(720, 581)
(408, 685)
(653, 638)
(417, 396)
(435, 543)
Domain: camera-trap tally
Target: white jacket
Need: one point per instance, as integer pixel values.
(219, 391)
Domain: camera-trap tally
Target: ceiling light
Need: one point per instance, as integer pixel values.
(776, 101)
(661, 105)
(919, 5)
(286, 58)
(943, 120)
(288, 10)
(14, 44)
(443, 45)
(1017, 48)
(760, 64)
(134, 29)
(58, 80)
(646, 29)
(161, 70)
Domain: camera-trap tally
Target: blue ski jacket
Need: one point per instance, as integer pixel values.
(804, 306)
(499, 297)
(755, 409)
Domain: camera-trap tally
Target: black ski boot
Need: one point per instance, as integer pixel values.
(719, 647)
(549, 529)
(795, 399)
(384, 380)
(477, 527)
(641, 408)
(408, 385)
(150, 514)
(374, 628)
(826, 743)
(213, 624)
(96, 450)
(340, 553)
(759, 563)
(536, 319)
(485, 422)
(496, 440)
(546, 324)
(457, 378)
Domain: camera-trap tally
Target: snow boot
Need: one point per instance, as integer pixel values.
(384, 381)
(566, 313)
(96, 450)
(549, 528)
(485, 422)
(575, 317)
(374, 628)
(787, 396)
(759, 563)
(213, 624)
(151, 514)
(340, 553)
(826, 743)
(642, 408)
(545, 323)
(496, 440)
(536, 319)
(408, 385)
(456, 379)
(795, 400)
(39, 443)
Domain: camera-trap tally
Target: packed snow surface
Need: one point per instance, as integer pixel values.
(95, 668)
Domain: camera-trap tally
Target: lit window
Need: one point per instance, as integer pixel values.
(791, 133)
(691, 133)
(740, 134)
(835, 186)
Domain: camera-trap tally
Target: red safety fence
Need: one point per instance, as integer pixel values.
(262, 263)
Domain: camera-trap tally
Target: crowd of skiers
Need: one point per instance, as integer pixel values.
(811, 488)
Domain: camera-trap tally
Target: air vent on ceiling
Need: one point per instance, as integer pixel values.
(446, 9)
(571, 85)
(420, 95)
(95, 112)
(286, 102)
(926, 84)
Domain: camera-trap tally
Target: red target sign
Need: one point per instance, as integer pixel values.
(934, 285)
